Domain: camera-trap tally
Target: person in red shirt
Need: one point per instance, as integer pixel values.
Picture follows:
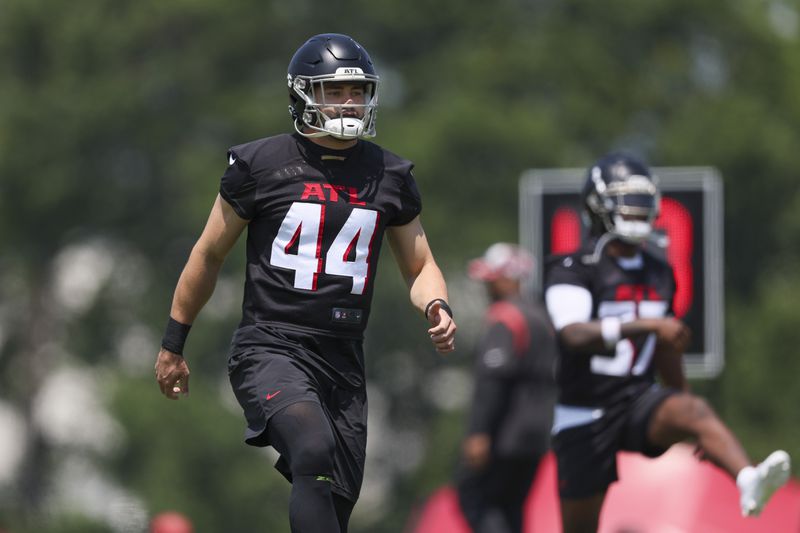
(511, 413)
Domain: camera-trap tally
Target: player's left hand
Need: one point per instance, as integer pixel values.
(443, 330)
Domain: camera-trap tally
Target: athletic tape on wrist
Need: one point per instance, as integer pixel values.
(175, 336)
(611, 330)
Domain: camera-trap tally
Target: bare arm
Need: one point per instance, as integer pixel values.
(195, 286)
(570, 307)
(199, 277)
(672, 339)
(424, 279)
(669, 364)
(587, 337)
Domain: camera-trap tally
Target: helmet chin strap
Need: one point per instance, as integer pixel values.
(594, 257)
(629, 231)
(333, 128)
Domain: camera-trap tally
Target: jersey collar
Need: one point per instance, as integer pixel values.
(631, 263)
(321, 153)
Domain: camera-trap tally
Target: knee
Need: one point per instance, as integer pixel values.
(313, 457)
(700, 408)
(697, 412)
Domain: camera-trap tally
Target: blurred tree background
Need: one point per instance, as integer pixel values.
(115, 118)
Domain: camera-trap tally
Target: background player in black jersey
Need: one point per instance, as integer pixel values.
(316, 204)
(511, 413)
(611, 304)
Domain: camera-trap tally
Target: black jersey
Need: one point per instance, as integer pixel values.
(643, 290)
(316, 222)
(514, 382)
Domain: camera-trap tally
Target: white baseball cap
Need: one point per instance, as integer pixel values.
(502, 259)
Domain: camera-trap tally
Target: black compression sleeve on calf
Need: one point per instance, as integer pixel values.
(175, 336)
(443, 305)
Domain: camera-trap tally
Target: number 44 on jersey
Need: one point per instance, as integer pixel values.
(303, 227)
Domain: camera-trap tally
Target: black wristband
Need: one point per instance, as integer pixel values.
(442, 304)
(175, 336)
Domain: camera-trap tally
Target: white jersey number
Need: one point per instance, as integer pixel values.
(303, 226)
(621, 363)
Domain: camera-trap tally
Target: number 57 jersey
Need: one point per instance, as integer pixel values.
(316, 223)
(578, 290)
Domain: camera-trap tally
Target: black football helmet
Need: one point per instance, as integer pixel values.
(326, 58)
(620, 198)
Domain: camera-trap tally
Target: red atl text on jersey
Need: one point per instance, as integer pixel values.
(317, 190)
(636, 293)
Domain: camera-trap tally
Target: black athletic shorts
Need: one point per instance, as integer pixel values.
(272, 367)
(587, 453)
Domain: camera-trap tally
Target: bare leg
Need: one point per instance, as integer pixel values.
(686, 416)
(581, 516)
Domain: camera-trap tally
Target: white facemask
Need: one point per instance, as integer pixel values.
(632, 231)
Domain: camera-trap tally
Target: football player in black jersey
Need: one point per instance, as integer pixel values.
(316, 204)
(512, 402)
(611, 304)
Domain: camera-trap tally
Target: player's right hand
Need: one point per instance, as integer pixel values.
(476, 450)
(172, 374)
(673, 334)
